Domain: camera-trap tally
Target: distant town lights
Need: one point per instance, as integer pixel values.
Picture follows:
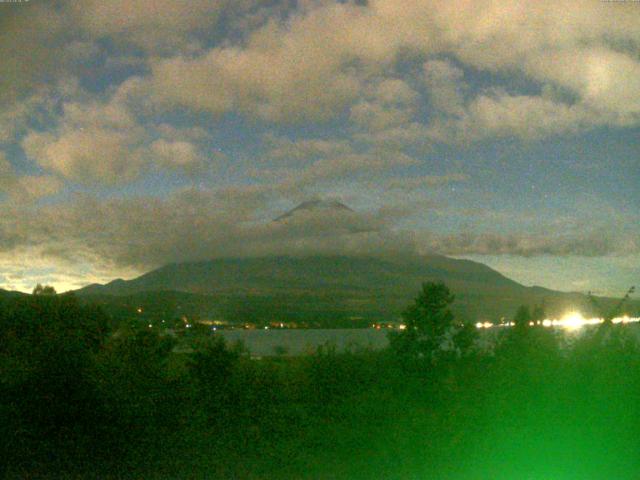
(570, 321)
(573, 321)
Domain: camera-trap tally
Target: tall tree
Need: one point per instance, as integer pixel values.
(522, 317)
(44, 290)
(430, 328)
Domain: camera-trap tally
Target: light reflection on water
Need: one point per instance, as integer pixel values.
(301, 342)
(570, 321)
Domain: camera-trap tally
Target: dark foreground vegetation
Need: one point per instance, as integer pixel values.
(79, 399)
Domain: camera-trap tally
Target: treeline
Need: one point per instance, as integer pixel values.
(80, 400)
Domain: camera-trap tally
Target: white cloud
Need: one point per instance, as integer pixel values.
(605, 80)
(177, 154)
(500, 114)
(284, 72)
(156, 25)
(87, 155)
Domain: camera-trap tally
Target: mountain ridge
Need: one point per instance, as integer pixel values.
(331, 285)
(315, 205)
(335, 286)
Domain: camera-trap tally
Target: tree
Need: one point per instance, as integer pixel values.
(522, 317)
(211, 366)
(605, 334)
(538, 314)
(44, 290)
(48, 399)
(430, 327)
(608, 316)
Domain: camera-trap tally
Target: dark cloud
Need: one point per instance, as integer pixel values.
(193, 224)
(589, 244)
(33, 36)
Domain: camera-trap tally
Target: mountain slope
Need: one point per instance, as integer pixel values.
(315, 206)
(326, 288)
(10, 294)
(269, 275)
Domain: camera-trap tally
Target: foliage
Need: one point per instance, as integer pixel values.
(44, 290)
(211, 366)
(610, 314)
(430, 330)
(47, 396)
(76, 402)
(522, 317)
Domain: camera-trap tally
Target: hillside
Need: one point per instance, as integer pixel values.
(9, 294)
(323, 289)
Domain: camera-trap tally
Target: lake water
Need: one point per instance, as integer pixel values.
(304, 342)
(301, 342)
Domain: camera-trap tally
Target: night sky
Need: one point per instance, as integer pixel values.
(134, 133)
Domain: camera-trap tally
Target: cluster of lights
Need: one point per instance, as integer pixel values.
(570, 321)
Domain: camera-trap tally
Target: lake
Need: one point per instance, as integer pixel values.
(304, 342)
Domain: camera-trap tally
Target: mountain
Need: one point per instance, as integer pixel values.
(324, 290)
(10, 294)
(315, 205)
(285, 274)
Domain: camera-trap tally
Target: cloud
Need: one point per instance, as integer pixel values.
(607, 81)
(105, 93)
(197, 224)
(178, 155)
(313, 80)
(88, 155)
(374, 117)
(233, 80)
(588, 244)
(284, 149)
(421, 181)
(27, 266)
(94, 141)
(362, 166)
(283, 72)
(126, 236)
(323, 60)
(100, 141)
(26, 188)
(155, 25)
(33, 187)
(445, 86)
(413, 135)
(15, 117)
(499, 115)
(190, 225)
(29, 34)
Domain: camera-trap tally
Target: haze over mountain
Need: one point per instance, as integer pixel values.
(328, 286)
